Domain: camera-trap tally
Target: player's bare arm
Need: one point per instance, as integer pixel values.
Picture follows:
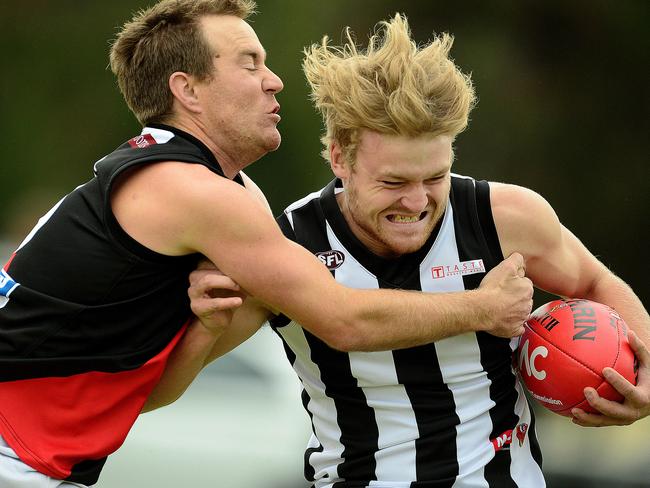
(359, 324)
(205, 286)
(201, 345)
(559, 263)
(243, 240)
(214, 299)
(497, 287)
(214, 307)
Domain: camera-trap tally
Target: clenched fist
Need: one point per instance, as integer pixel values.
(507, 298)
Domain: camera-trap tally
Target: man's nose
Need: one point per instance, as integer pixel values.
(415, 198)
(272, 83)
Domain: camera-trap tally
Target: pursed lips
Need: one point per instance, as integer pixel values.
(275, 113)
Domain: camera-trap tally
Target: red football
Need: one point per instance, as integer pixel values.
(565, 347)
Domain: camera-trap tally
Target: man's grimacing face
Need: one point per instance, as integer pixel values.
(240, 102)
(396, 191)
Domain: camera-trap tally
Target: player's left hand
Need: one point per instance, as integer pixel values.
(214, 297)
(637, 398)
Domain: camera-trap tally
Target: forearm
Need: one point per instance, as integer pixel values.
(184, 364)
(294, 282)
(377, 320)
(398, 319)
(614, 292)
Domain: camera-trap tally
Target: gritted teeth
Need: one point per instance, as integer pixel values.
(406, 219)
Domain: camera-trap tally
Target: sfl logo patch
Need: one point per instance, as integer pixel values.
(332, 259)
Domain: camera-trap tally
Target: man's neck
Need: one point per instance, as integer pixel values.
(229, 165)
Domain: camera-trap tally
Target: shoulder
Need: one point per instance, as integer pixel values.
(525, 221)
(517, 202)
(174, 183)
(167, 205)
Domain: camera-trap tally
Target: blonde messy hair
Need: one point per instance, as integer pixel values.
(160, 40)
(394, 87)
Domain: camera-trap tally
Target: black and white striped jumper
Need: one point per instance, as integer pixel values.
(447, 414)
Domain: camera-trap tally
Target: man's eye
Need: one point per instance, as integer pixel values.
(391, 183)
(434, 180)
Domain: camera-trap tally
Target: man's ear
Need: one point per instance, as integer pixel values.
(184, 92)
(339, 166)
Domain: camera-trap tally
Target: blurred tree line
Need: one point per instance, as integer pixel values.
(562, 86)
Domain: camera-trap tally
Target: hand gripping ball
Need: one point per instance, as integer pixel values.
(564, 349)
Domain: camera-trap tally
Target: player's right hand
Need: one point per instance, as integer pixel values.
(507, 298)
(214, 296)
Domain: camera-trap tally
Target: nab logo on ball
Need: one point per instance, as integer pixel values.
(332, 259)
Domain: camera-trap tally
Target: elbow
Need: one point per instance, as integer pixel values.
(151, 406)
(344, 337)
(154, 403)
(346, 327)
(342, 344)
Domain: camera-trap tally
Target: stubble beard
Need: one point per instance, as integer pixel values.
(373, 236)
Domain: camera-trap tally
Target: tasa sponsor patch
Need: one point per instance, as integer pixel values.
(459, 269)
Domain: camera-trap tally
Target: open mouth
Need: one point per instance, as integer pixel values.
(406, 219)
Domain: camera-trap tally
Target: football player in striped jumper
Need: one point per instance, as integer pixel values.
(450, 413)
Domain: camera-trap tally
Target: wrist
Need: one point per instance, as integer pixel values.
(203, 334)
(480, 310)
